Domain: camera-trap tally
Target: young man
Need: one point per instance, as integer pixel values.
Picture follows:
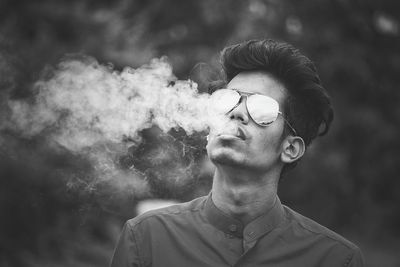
(276, 106)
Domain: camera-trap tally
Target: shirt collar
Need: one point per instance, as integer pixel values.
(263, 224)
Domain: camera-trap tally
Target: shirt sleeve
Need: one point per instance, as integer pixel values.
(357, 260)
(126, 252)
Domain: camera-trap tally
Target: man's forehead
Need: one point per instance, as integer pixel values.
(260, 82)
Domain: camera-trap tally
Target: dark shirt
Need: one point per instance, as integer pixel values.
(198, 234)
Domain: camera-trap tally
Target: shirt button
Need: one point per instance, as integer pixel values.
(229, 236)
(232, 228)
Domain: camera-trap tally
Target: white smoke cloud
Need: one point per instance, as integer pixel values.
(85, 103)
(89, 108)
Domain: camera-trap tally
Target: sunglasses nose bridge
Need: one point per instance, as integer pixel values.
(239, 111)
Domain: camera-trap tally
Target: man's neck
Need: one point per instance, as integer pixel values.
(243, 195)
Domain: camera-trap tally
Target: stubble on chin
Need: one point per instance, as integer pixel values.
(224, 157)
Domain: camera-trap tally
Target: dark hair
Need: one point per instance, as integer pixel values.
(307, 107)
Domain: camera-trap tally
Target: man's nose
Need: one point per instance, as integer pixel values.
(240, 112)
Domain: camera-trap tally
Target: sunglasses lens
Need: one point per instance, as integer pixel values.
(223, 100)
(262, 109)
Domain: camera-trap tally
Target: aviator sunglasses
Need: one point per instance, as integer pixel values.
(262, 109)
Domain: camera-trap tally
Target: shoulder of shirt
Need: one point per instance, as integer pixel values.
(173, 210)
(315, 228)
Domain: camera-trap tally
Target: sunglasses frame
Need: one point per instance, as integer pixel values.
(247, 94)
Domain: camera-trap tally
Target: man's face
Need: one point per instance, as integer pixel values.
(245, 144)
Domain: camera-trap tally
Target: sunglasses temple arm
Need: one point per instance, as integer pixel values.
(288, 124)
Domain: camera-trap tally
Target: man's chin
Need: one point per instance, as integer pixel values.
(227, 159)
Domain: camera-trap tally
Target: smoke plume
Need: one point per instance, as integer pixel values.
(85, 103)
(92, 110)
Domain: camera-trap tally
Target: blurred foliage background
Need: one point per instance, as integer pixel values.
(348, 181)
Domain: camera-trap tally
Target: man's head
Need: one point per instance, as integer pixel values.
(303, 101)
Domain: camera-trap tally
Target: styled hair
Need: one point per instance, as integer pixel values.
(307, 106)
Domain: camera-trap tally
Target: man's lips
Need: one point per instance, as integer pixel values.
(238, 133)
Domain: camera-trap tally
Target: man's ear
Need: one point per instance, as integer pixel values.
(293, 148)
